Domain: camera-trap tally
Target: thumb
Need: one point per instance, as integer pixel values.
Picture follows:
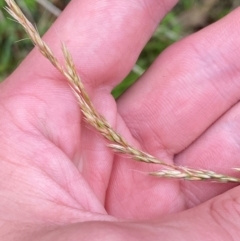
(216, 220)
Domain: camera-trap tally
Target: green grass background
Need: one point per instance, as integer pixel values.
(187, 17)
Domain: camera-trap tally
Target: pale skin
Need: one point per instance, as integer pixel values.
(59, 181)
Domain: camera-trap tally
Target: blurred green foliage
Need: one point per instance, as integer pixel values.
(13, 43)
(188, 16)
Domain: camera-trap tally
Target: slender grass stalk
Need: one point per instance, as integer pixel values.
(50, 7)
(117, 142)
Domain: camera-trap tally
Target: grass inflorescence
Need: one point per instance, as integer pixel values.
(117, 142)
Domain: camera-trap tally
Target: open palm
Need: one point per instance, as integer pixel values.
(58, 172)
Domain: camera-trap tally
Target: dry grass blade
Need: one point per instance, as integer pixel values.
(118, 143)
(18, 15)
(196, 175)
(50, 7)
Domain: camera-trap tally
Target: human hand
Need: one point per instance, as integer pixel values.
(60, 181)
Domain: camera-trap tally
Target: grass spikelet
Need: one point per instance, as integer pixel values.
(117, 142)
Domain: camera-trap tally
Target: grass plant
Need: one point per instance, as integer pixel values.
(116, 141)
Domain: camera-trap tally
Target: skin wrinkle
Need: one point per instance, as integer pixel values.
(216, 85)
(30, 204)
(9, 174)
(222, 133)
(233, 72)
(230, 205)
(63, 188)
(235, 123)
(50, 176)
(28, 114)
(98, 178)
(67, 207)
(149, 11)
(213, 212)
(43, 127)
(150, 7)
(190, 198)
(198, 48)
(179, 206)
(133, 128)
(223, 94)
(162, 151)
(43, 132)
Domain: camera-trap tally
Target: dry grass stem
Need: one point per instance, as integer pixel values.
(50, 7)
(117, 142)
(195, 175)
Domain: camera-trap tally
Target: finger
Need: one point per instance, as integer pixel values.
(217, 149)
(186, 90)
(105, 37)
(188, 87)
